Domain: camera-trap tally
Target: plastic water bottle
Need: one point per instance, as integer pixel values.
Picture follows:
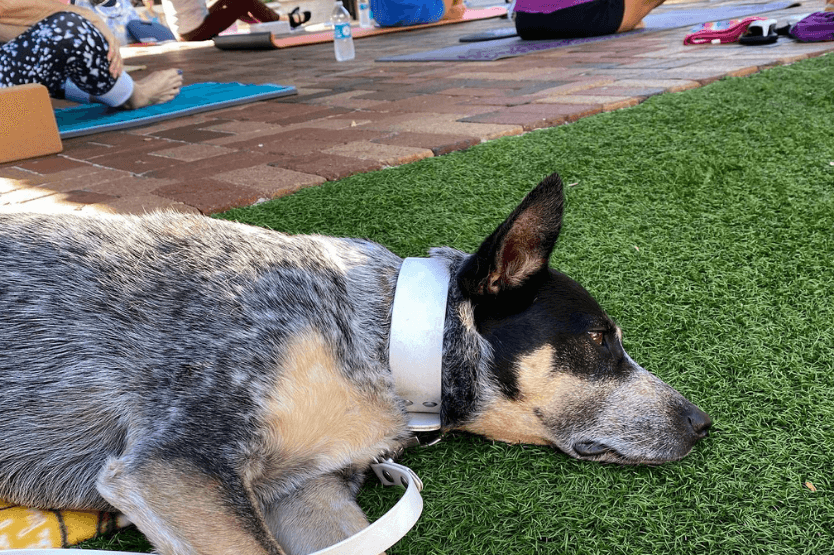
(342, 37)
(364, 14)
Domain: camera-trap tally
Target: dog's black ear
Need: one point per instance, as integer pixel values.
(520, 247)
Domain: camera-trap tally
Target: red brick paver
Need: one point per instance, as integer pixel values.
(361, 115)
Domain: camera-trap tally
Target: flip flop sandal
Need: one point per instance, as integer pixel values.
(760, 32)
(298, 18)
(726, 32)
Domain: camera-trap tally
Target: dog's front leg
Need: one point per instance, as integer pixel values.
(183, 510)
(320, 513)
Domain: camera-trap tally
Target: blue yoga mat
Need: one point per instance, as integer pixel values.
(514, 46)
(87, 119)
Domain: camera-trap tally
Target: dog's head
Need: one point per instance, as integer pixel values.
(560, 374)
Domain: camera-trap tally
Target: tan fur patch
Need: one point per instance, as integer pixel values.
(316, 413)
(540, 388)
(182, 511)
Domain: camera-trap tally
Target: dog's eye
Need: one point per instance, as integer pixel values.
(596, 337)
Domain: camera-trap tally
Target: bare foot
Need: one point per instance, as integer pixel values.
(624, 28)
(455, 12)
(156, 88)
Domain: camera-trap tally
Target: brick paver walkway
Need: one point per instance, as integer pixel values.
(362, 115)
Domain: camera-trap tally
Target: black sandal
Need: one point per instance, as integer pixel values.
(297, 19)
(760, 32)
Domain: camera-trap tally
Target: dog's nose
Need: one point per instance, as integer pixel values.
(699, 420)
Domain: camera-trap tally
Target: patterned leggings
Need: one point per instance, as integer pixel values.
(62, 46)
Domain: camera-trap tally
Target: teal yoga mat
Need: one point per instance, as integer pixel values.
(513, 46)
(88, 119)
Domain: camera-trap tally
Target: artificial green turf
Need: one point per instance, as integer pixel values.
(702, 221)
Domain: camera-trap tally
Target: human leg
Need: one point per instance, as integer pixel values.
(260, 11)
(156, 88)
(59, 47)
(67, 54)
(635, 11)
(224, 13)
(221, 16)
(587, 19)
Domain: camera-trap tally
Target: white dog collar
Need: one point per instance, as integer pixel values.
(416, 341)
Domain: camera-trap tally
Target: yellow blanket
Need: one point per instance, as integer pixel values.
(22, 528)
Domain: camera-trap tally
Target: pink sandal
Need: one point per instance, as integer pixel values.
(723, 31)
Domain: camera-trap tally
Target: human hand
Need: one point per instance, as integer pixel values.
(113, 54)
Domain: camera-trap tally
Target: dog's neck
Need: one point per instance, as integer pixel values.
(416, 340)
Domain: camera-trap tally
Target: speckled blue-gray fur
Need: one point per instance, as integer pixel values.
(166, 335)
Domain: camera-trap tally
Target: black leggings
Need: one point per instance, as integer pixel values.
(590, 19)
(62, 46)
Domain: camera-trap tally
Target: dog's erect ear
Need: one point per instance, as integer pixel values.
(520, 247)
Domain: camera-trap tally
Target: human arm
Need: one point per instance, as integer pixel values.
(149, 6)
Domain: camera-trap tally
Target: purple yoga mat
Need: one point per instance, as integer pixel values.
(514, 46)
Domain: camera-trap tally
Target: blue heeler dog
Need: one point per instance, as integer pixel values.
(226, 387)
